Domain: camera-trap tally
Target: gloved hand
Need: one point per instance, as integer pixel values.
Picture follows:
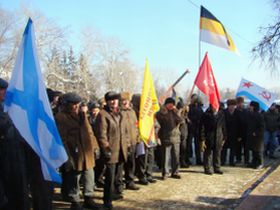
(202, 146)
(97, 154)
(69, 164)
(106, 153)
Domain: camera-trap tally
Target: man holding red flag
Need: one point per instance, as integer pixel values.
(212, 125)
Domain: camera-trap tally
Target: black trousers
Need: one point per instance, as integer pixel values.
(145, 164)
(21, 170)
(129, 166)
(194, 136)
(109, 183)
(257, 158)
(212, 158)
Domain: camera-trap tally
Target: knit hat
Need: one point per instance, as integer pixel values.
(93, 105)
(111, 95)
(255, 105)
(3, 84)
(169, 101)
(231, 102)
(240, 99)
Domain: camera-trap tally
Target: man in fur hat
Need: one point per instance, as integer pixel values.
(112, 138)
(129, 115)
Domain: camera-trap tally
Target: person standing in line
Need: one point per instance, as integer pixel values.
(112, 138)
(144, 161)
(169, 135)
(21, 173)
(194, 116)
(232, 125)
(80, 143)
(242, 143)
(271, 122)
(212, 137)
(183, 112)
(129, 115)
(99, 169)
(255, 134)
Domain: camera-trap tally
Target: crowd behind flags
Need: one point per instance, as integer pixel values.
(28, 107)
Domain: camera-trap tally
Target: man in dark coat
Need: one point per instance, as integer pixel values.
(271, 121)
(99, 169)
(112, 138)
(144, 162)
(20, 168)
(242, 143)
(183, 112)
(194, 116)
(212, 137)
(169, 135)
(255, 134)
(232, 125)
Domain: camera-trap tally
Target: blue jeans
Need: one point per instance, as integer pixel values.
(270, 142)
(74, 184)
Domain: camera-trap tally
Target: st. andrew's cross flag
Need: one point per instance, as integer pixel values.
(206, 83)
(28, 106)
(256, 93)
(213, 32)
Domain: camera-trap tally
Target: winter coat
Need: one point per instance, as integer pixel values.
(242, 120)
(194, 115)
(271, 120)
(129, 116)
(78, 139)
(255, 131)
(213, 129)
(232, 127)
(112, 135)
(169, 121)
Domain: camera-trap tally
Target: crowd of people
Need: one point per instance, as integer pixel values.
(105, 150)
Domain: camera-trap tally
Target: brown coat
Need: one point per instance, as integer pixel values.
(78, 139)
(169, 121)
(112, 134)
(129, 116)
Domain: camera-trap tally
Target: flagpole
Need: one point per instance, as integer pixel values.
(163, 97)
(199, 56)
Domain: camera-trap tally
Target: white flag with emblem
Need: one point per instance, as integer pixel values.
(256, 93)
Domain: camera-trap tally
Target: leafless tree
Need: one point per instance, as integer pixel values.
(9, 41)
(109, 62)
(268, 48)
(12, 23)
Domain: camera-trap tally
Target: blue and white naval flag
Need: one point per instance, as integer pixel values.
(256, 93)
(28, 106)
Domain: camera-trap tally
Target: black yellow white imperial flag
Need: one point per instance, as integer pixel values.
(213, 32)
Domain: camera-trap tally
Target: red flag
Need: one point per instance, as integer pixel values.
(205, 81)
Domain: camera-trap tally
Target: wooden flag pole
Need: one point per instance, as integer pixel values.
(164, 96)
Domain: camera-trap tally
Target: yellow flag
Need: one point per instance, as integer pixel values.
(148, 107)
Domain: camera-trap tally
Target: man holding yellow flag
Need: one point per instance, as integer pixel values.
(148, 107)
